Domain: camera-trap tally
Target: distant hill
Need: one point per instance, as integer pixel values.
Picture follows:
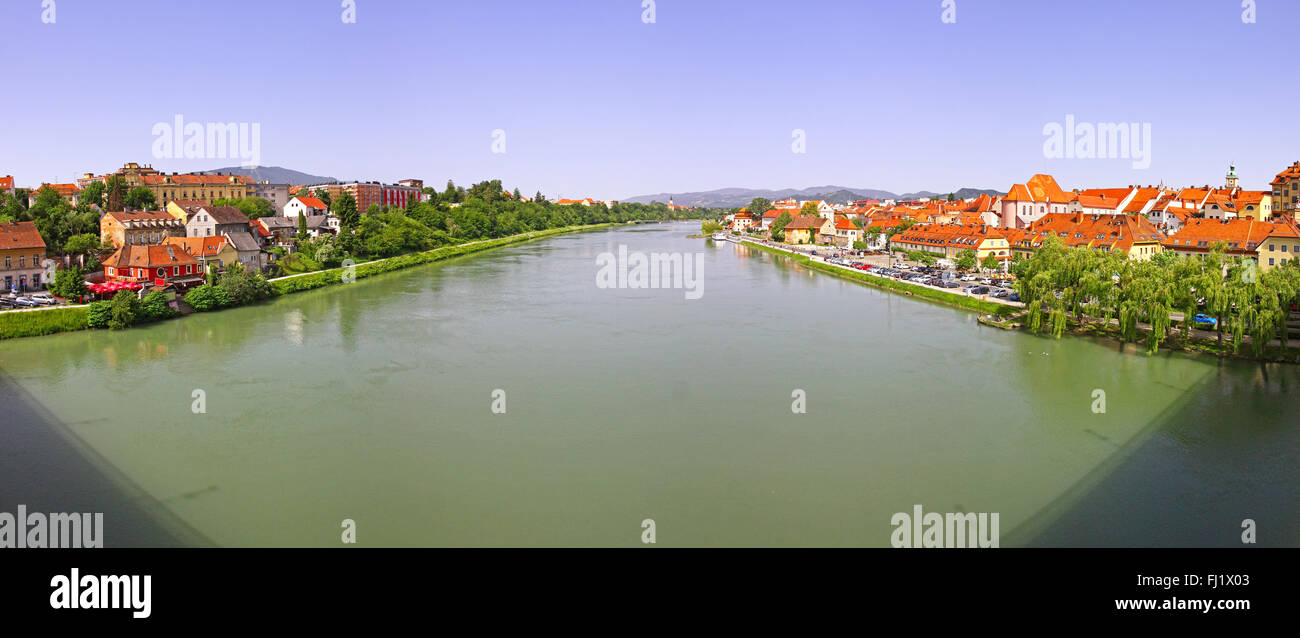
(273, 174)
(736, 197)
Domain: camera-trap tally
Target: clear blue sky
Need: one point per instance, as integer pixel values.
(594, 102)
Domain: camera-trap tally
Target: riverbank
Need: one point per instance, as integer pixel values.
(16, 324)
(960, 302)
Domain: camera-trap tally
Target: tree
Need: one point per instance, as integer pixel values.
(781, 221)
(346, 210)
(93, 193)
(808, 208)
(125, 306)
(710, 226)
(141, 198)
(966, 260)
(861, 245)
(69, 284)
(115, 192)
(302, 192)
(758, 206)
(991, 262)
(242, 287)
(324, 196)
(252, 207)
(302, 229)
(84, 244)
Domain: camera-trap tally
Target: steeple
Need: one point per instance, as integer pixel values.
(1231, 177)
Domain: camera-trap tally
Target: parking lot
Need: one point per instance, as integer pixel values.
(28, 301)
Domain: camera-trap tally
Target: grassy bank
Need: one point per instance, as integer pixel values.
(962, 302)
(36, 323)
(312, 281)
(45, 322)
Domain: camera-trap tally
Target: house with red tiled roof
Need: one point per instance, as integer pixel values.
(1286, 190)
(1026, 203)
(743, 220)
(68, 192)
(1240, 236)
(139, 227)
(211, 252)
(948, 241)
(1282, 245)
(309, 206)
(7, 184)
(1257, 205)
(803, 229)
(161, 265)
(1133, 235)
(22, 253)
(841, 232)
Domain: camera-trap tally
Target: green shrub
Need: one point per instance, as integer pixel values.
(206, 298)
(98, 314)
(155, 308)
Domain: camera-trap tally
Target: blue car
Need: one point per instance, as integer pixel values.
(1205, 321)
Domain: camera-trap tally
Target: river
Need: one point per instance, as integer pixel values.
(374, 402)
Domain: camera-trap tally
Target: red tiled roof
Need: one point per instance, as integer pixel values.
(198, 246)
(152, 256)
(21, 236)
(312, 202)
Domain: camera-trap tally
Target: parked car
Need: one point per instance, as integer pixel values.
(43, 298)
(1001, 294)
(1205, 321)
(980, 290)
(1014, 296)
(24, 302)
(950, 283)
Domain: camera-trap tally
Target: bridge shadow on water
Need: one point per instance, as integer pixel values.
(1224, 453)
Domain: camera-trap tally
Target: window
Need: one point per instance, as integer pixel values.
(1270, 261)
(8, 263)
(176, 270)
(22, 262)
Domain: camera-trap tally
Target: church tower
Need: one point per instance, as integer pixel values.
(1230, 179)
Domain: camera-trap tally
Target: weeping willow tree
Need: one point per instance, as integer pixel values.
(1058, 321)
(1036, 316)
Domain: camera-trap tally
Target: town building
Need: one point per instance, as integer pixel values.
(277, 194)
(369, 194)
(212, 253)
(1281, 246)
(1286, 191)
(22, 254)
(159, 265)
(7, 184)
(1198, 237)
(139, 227)
(949, 241)
(1132, 235)
(803, 229)
(69, 193)
(743, 220)
(228, 221)
(310, 206)
(1026, 203)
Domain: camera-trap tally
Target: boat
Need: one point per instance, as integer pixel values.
(719, 237)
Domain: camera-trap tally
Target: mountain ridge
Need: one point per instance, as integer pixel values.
(733, 197)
